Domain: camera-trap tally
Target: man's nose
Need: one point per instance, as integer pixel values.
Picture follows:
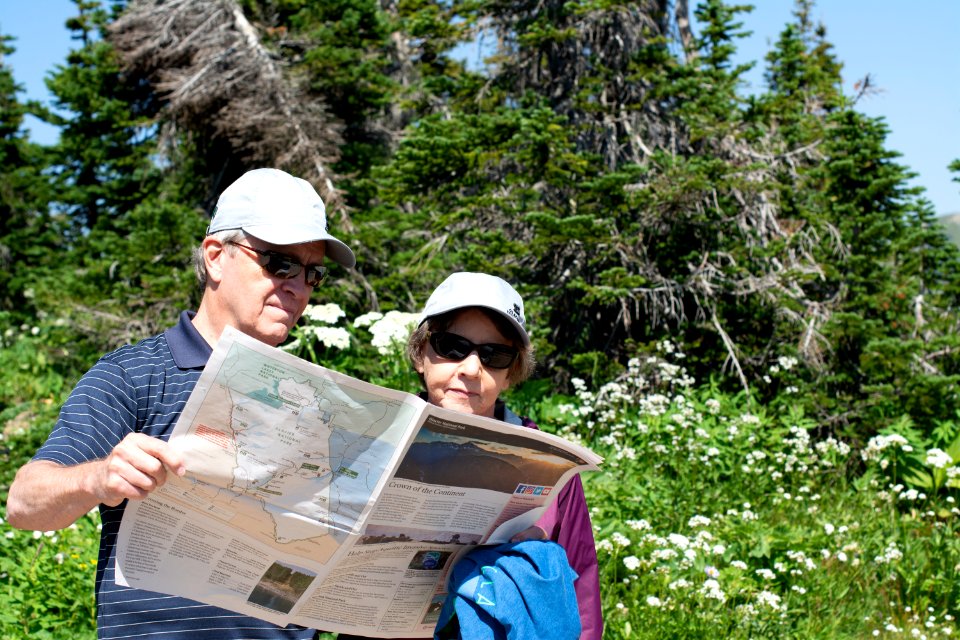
(297, 285)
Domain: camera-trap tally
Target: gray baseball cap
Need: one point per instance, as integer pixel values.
(278, 208)
(467, 289)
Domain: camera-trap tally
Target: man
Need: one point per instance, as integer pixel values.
(258, 265)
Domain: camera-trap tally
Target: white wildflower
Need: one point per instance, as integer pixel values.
(327, 313)
(664, 554)
(711, 589)
(698, 521)
(366, 319)
(638, 525)
(620, 540)
(392, 331)
(334, 337)
(938, 459)
(787, 362)
(769, 599)
(679, 541)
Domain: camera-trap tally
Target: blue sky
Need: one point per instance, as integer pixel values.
(910, 51)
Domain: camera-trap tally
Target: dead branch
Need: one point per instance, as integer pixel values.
(731, 351)
(207, 61)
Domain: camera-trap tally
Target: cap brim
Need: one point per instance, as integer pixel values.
(524, 337)
(336, 250)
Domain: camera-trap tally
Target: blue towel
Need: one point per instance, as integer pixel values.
(513, 591)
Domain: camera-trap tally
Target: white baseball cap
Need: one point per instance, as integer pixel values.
(278, 208)
(466, 289)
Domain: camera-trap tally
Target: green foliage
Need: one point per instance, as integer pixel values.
(716, 517)
(47, 581)
(33, 365)
(26, 236)
(46, 577)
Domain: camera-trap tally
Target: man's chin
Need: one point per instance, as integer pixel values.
(273, 335)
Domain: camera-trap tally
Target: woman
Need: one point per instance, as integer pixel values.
(471, 346)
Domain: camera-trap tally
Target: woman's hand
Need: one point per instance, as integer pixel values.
(530, 533)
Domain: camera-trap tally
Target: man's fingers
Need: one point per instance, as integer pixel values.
(137, 466)
(169, 457)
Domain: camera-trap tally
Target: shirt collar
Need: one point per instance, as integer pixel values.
(502, 412)
(189, 349)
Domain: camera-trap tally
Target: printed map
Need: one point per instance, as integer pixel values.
(285, 455)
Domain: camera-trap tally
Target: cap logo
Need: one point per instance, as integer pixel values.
(517, 314)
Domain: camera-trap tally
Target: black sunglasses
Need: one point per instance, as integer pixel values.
(453, 347)
(283, 266)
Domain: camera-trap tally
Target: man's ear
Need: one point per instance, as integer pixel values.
(213, 254)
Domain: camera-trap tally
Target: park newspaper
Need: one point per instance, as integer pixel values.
(317, 499)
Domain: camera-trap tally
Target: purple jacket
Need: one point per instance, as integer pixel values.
(567, 522)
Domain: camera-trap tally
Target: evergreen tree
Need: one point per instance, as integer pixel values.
(124, 264)
(26, 232)
(878, 338)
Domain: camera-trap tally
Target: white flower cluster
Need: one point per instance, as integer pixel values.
(336, 337)
(769, 599)
(877, 444)
(939, 459)
(328, 313)
(711, 589)
(891, 554)
(319, 318)
(698, 521)
(391, 331)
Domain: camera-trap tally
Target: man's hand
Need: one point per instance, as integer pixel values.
(135, 467)
(46, 496)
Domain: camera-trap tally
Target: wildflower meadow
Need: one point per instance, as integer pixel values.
(715, 516)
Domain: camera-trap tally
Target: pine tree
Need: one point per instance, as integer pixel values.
(123, 268)
(879, 338)
(27, 236)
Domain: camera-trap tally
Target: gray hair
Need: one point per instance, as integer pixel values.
(200, 267)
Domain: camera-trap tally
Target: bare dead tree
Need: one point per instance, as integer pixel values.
(681, 12)
(207, 61)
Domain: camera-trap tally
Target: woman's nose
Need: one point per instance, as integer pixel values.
(471, 364)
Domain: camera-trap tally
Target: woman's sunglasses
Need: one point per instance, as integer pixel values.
(453, 347)
(283, 266)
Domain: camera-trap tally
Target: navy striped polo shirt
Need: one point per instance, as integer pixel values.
(144, 388)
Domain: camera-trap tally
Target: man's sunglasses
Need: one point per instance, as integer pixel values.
(283, 266)
(453, 347)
